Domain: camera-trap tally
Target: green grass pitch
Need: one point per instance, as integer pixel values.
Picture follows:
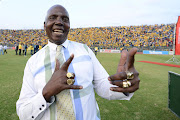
(150, 102)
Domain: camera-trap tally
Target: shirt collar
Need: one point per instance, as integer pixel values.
(54, 46)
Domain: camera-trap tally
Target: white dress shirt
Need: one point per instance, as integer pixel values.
(5, 47)
(88, 72)
(1, 47)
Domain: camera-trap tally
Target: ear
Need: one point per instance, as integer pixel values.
(44, 26)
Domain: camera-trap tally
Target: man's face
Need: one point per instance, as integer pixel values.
(57, 24)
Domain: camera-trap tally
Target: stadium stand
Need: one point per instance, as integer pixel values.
(145, 37)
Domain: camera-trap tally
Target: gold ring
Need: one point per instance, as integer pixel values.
(69, 75)
(70, 81)
(125, 85)
(130, 75)
(129, 83)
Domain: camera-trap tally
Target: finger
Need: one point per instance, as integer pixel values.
(57, 65)
(123, 57)
(118, 76)
(120, 68)
(127, 90)
(67, 63)
(122, 61)
(130, 59)
(119, 83)
(74, 87)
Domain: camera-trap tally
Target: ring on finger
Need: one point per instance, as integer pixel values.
(125, 84)
(129, 83)
(70, 81)
(130, 75)
(70, 75)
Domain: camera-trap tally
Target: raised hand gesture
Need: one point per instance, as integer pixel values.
(58, 81)
(127, 78)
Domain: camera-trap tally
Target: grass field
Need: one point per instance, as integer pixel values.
(150, 102)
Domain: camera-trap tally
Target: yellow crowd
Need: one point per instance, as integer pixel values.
(114, 37)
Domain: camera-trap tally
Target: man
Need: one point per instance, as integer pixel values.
(16, 48)
(1, 49)
(96, 50)
(37, 47)
(46, 77)
(20, 47)
(31, 48)
(25, 48)
(5, 49)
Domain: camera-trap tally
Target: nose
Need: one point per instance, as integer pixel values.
(59, 21)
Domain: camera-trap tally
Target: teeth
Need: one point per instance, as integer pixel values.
(61, 31)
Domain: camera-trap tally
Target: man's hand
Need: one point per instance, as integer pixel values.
(58, 81)
(126, 63)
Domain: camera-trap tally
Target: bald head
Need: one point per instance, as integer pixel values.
(53, 7)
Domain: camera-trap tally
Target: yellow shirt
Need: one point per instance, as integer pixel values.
(31, 47)
(20, 47)
(40, 47)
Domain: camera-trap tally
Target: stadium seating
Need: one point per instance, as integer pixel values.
(151, 37)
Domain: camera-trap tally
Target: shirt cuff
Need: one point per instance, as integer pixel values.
(41, 104)
(52, 99)
(119, 96)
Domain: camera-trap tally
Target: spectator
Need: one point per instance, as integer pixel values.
(1, 49)
(25, 48)
(20, 47)
(114, 37)
(16, 49)
(31, 49)
(96, 50)
(5, 49)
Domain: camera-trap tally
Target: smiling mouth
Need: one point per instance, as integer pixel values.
(58, 32)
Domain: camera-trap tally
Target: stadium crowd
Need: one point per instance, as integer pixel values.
(151, 37)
